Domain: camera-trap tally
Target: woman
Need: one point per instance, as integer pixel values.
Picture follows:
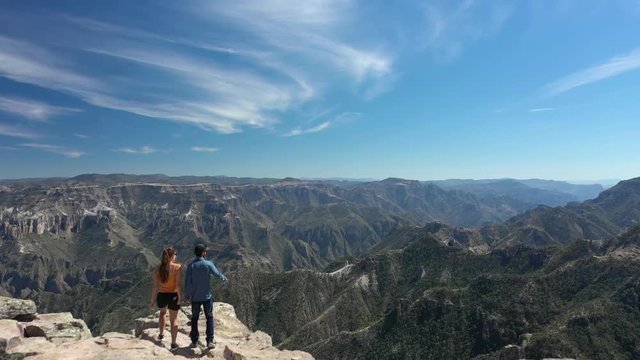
(166, 290)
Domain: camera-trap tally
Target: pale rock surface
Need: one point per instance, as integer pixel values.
(182, 340)
(10, 334)
(11, 308)
(33, 346)
(57, 328)
(234, 340)
(59, 336)
(241, 352)
(110, 346)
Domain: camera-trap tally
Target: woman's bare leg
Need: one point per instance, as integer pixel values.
(163, 312)
(173, 316)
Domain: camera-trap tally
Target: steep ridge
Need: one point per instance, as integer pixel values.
(581, 191)
(523, 196)
(612, 212)
(531, 191)
(433, 300)
(427, 202)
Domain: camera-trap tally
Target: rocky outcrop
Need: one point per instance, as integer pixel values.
(234, 339)
(60, 336)
(16, 309)
(57, 328)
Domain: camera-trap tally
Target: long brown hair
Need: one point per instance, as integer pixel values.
(163, 270)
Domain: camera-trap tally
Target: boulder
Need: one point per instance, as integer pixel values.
(260, 340)
(10, 335)
(58, 328)
(17, 309)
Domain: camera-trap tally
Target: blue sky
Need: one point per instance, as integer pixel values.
(334, 88)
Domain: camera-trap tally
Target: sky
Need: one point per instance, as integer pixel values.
(321, 88)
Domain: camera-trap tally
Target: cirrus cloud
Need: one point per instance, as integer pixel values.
(56, 149)
(613, 67)
(31, 109)
(204, 149)
(144, 150)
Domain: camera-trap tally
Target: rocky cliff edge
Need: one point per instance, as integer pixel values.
(25, 334)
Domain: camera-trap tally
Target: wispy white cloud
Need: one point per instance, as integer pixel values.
(540, 109)
(289, 54)
(81, 136)
(613, 67)
(451, 25)
(231, 98)
(26, 63)
(13, 131)
(315, 129)
(30, 109)
(7, 148)
(313, 13)
(245, 100)
(331, 119)
(204, 149)
(70, 153)
(308, 30)
(141, 150)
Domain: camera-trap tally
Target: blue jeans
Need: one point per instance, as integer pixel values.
(195, 314)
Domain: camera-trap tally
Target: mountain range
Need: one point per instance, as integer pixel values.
(325, 265)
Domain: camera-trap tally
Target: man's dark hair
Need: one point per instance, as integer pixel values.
(200, 249)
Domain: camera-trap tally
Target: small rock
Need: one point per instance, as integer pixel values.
(525, 339)
(261, 340)
(510, 352)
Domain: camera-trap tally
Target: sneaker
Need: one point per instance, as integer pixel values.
(194, 344)
(160, 336)
(174, 347)
(211, 344)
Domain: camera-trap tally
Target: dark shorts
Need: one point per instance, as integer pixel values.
(168, 299)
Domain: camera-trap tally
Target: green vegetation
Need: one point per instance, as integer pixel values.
(432, 301)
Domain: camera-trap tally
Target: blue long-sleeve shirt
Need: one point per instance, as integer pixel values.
(197, 284)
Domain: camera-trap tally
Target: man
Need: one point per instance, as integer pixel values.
(197, 289)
